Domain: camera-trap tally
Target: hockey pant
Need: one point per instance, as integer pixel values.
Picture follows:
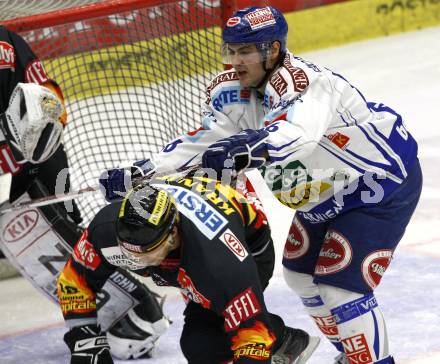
(39, 241)
(203, 337)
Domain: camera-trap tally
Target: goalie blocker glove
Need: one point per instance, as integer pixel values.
(115, 183)
(32, 123)
(245, 150)
(88, 345)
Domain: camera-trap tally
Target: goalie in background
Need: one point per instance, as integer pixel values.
(204, 238)
(38, 241)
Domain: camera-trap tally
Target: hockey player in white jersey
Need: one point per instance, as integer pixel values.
(348, 167)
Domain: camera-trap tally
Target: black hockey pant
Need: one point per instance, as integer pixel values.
(203, 337)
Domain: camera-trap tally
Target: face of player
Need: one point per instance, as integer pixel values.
(247, 62)
(156, 256)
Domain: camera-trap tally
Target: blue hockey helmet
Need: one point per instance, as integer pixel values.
(259, 25)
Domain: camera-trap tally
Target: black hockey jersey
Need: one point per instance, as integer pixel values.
(222, 235)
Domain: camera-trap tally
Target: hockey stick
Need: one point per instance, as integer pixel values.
(48, 200)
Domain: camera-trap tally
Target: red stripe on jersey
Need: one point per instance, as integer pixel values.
(7, 161)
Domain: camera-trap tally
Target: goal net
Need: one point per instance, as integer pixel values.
(133, 74)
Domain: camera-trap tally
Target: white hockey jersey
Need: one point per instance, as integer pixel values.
(329, 149)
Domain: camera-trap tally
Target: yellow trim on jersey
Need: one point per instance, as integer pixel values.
(159, 207)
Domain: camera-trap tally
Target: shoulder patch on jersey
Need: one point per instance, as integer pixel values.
(222, 77)
(84, 253)
(278, 83)
(7, 56)
(299, 76)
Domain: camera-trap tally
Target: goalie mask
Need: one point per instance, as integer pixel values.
(32, 124)
(145, 223)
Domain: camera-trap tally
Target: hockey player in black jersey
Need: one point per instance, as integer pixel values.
(202, 237)
(38, 241)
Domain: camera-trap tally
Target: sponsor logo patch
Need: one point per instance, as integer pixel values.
(234, 245)
(327, 325)
(335, 254)
(254, 342)
(374, 266)
(241, 308)
(232, 22)
(85, 254)
(115, 256)
(204, 216)
(299, 77)
(260, 18)
(7, 161)
(298, 242)
(7, 56)
(278, 83)
(228, 96)
(131, 247)
(74, 294)
(35, 73)
(224, 77)
(20, 226)
(189, 290)
(357, 350)
(339, 139)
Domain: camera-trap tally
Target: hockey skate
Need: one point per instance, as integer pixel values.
(297, 347)
(341, 359)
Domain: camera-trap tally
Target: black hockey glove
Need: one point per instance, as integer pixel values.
(88, 345)
(116, 182)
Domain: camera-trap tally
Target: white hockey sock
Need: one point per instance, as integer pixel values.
(360, 323)
(302, 284)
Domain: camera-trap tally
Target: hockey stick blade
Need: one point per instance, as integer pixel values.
(48, 200)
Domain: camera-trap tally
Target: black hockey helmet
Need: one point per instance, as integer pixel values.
(146, 218)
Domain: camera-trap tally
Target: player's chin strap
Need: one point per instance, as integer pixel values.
(48, 200)
(269, 70)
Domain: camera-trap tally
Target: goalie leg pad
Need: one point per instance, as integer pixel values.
(302, 284)
(360, 322)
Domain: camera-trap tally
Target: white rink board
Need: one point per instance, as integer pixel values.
(402, 71)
